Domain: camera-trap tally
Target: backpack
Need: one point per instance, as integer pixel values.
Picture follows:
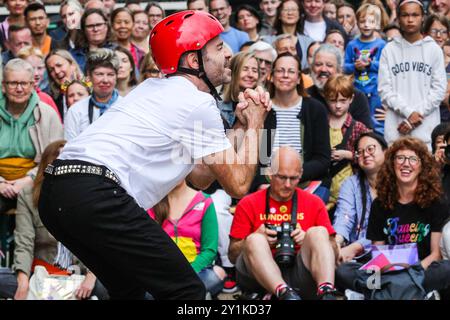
(403, 284)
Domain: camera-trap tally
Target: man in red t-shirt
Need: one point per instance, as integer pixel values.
(252, 244)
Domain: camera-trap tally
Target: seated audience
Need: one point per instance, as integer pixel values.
(408, 209)
(261, 265)
(35, 246)
(356, 196)
(189, 218)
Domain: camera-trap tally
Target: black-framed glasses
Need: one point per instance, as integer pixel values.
(400, 159)
(436, 32)
(15, 84)
(370, 150)
(267, 62)
(95, 26)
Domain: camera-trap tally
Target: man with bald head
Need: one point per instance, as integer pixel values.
(253, 243)
(94, 4)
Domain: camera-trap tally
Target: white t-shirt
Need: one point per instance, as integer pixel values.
(77, 118)
(151, 137)
(315, 30)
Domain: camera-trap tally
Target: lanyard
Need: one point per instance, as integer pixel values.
(293, 207)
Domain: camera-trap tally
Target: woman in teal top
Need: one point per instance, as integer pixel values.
(27, 126)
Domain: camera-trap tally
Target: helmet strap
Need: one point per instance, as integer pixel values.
(202, 75)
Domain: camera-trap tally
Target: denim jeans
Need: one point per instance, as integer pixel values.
(211, 281)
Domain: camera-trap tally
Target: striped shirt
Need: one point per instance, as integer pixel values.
(288, 127)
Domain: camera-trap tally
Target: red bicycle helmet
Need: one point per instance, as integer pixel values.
(181, 32)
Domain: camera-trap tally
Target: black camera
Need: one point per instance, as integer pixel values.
(284, 250)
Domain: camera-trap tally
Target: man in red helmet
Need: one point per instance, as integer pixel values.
(95, 195)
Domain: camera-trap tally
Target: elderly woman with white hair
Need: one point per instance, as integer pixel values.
(27, 126)
(266, 55)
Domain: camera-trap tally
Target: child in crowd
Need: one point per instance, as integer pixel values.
(77, 90)
(362, 58)
(344, 131)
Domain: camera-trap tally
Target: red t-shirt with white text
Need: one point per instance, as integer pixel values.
(250, 213)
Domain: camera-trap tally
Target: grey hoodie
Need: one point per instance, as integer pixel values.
(412, 78)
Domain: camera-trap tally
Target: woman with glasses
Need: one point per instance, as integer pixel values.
(95, 33)
(149, 69)
(155, 13)
(356, 196)
(122, 21)
(409, 209)
(438, 27)
(298, 121)
(27, 126)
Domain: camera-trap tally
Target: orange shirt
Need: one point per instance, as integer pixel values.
(45, 48)
(307, 81)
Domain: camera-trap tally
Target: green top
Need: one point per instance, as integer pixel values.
(15, 139)
(210, 240)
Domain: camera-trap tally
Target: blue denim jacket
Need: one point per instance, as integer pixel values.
(349, 211)
(227, 112)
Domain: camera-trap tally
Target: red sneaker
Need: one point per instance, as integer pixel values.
(230, 285)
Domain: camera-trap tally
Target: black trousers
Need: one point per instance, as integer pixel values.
(115, 238)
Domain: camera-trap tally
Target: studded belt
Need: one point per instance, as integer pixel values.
(75, 169)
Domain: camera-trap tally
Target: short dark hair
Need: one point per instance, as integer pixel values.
(16, 28)
(246, 44)
(34, 6)
(188, 2)
(391, 26)
(81, 40)
(119, 10)
(102, 57)
(154, 4)
(250, 9)
(436, 17)
(132, 2)
(442, 129)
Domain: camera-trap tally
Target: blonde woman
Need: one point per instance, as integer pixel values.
(244, 75)
(61, 68)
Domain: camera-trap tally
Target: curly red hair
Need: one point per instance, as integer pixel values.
(429, 187)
